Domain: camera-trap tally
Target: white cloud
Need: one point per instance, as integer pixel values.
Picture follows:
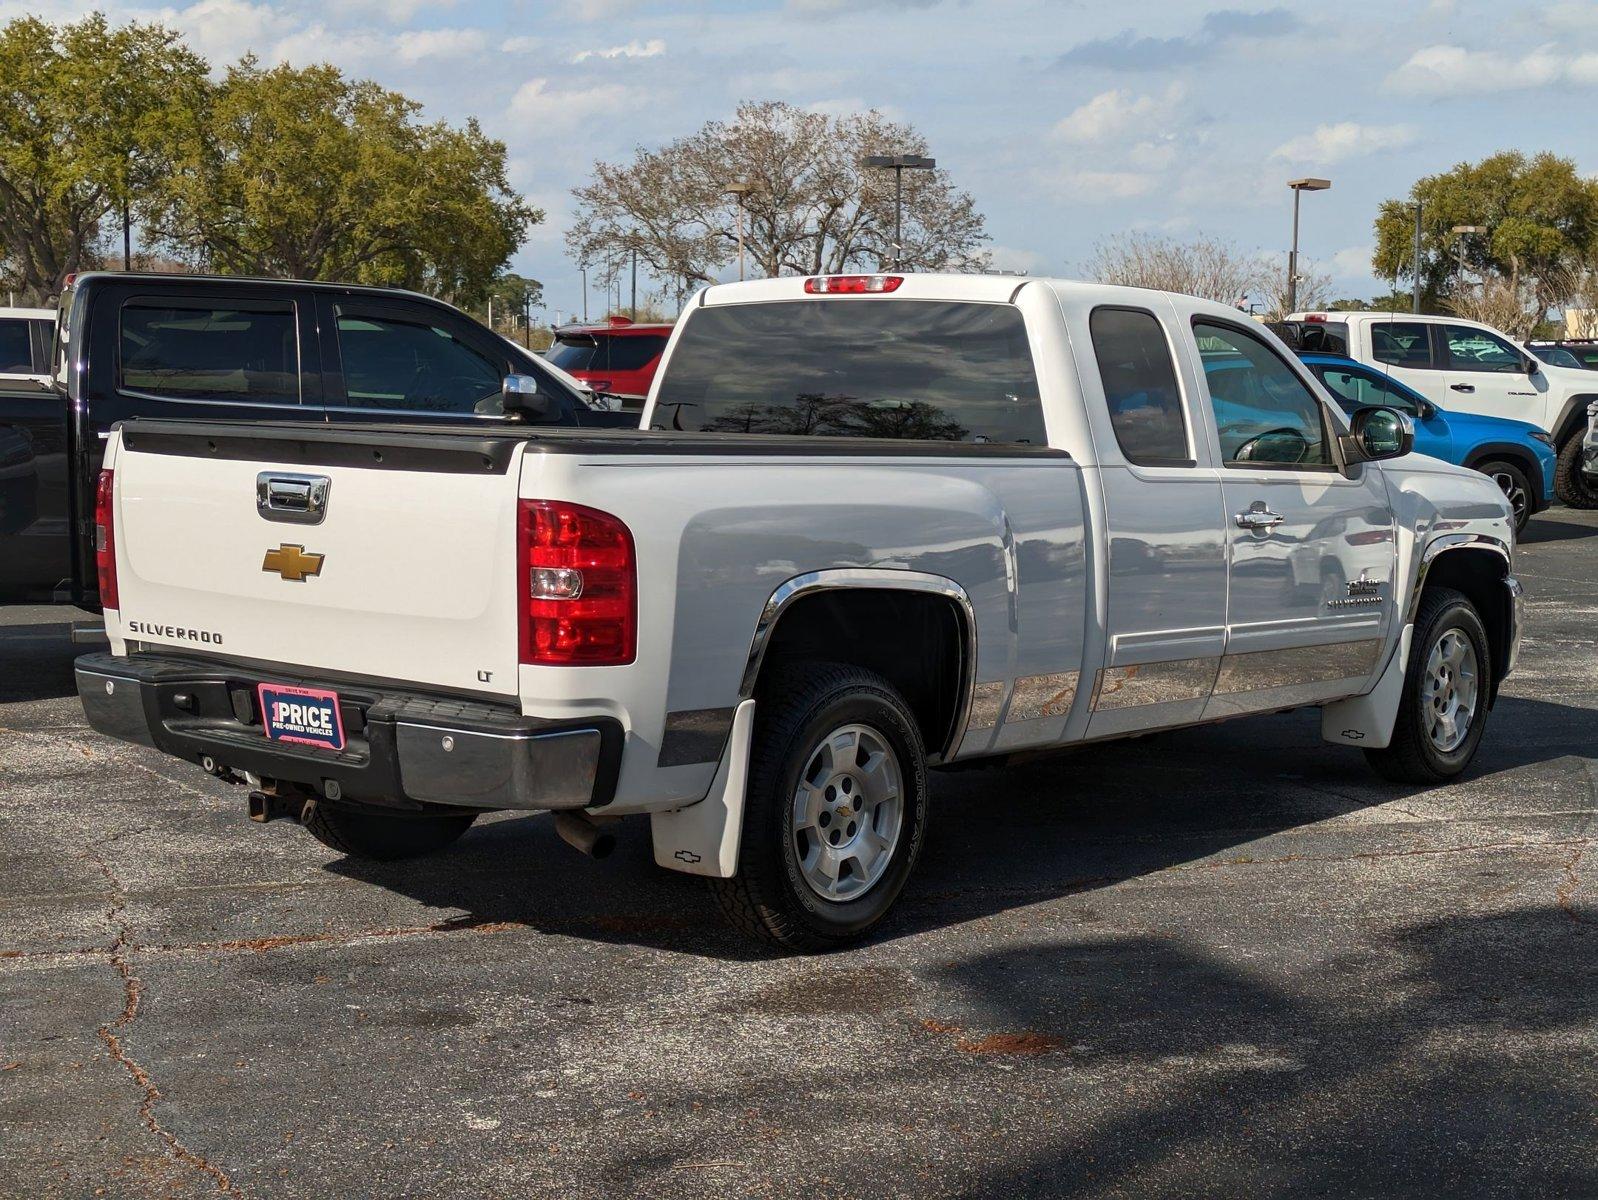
(1091, 187)
(538, 103)
(1118, 113)
(1445, 70)
(414, 45)
(1344, 140)
(653, 48)
(1571, 16)
(1351, 261)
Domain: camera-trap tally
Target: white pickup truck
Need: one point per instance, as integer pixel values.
(876, 524)
(1466, 366)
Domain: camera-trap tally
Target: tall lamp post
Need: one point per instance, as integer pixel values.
(739, 190)
(899, 164)
(1458, 233)
(1299, 186)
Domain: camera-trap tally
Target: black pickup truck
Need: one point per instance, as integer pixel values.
(236, 349)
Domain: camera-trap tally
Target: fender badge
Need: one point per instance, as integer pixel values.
(292, 563)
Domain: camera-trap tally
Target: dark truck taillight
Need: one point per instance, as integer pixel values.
(579, 579)
(105, 541)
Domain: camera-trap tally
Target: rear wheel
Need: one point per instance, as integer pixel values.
(1571, 484)
(1446, 685)
(1512, 481)
(834, 809)
(382, 837)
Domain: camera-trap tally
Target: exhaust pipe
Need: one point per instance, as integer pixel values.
(582, 834)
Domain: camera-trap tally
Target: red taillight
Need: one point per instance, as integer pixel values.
(105, 542)
(1318, 318)
(578, 582)
(852, 285)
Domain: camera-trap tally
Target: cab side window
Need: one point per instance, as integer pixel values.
(1265, 414)
(1140, 387)
(1471, 349)
(1403, 344)
(414, 366)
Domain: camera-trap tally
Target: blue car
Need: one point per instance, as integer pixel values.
(1519, 457)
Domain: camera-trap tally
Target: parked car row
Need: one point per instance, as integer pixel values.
(249, 350)
(871, 525)
(1516, 455)
(1465, 366)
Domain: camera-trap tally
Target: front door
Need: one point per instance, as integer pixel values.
(1488, 375)
(1311, 547)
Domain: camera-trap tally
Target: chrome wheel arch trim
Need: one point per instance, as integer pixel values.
(874, 579)
(1479, 542)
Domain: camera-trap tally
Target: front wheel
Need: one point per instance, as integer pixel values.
(381, 837)
(1446, 685)
(1512, 481)
(834, 809)
(1571, 484)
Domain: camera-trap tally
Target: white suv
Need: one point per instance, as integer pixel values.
(1470, 367)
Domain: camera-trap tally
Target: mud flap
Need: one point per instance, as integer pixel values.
(1367, 721)
(702, 839)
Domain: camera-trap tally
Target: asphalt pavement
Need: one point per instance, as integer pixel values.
(1223, 961)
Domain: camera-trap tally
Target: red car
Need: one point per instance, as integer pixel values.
(618, 357)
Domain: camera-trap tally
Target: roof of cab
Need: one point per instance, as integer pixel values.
(989, 289)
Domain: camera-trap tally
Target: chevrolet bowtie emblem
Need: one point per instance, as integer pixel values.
(293, 563)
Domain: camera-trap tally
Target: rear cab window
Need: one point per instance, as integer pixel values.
(917, 370)
(227, 351)
(1402, 344)
(1140, 389)
(16, 346)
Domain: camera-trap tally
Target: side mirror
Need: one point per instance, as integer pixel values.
(1376, 433)
(520, 394)
(1428, 410)
(1532, 365)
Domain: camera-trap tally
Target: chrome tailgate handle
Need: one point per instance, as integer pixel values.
(1258, 517)
(293, 499)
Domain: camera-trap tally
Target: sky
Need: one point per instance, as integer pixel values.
(1068, 120)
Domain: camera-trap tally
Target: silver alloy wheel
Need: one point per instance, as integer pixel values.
(1449, 690)
(847, 813)
(1510, 486)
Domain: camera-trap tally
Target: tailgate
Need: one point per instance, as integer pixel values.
(407, 572)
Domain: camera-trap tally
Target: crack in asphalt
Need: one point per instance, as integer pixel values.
(111, 1035)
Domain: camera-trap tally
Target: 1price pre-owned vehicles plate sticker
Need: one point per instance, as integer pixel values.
(304, 715)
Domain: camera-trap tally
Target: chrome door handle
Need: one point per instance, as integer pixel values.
(1462, 387)
(1258, 517)
(295, 499)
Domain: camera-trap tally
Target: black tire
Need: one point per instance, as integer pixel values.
(1571, 484)
(1412, 757)
(769, 898)
(381, 837)
(1513, 482)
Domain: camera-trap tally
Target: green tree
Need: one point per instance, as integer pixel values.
(303, 172)
(86, 112)
(1541, 215)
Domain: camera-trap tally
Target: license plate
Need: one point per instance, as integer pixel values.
(303, 715)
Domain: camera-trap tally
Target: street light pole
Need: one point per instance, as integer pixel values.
(1299, 186)
(1458, 233)
(583, 267)
(1415, 300)
(739, 190)
(899, 164)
